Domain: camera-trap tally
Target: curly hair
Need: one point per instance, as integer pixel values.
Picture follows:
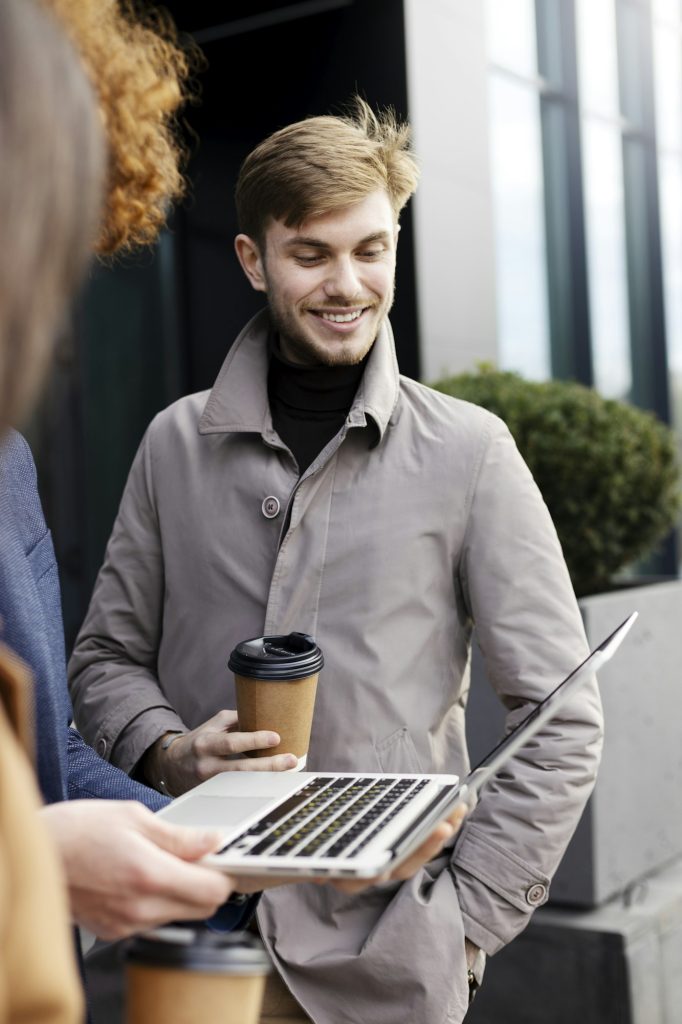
(141, 77)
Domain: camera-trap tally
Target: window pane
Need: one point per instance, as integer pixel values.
(511, 35)
(670, 198)
(519, 225)
(670, 179)
(668, 87)
(607, 266)
(634, 46)
(597, 56)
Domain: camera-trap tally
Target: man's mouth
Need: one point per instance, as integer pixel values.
(339, 316)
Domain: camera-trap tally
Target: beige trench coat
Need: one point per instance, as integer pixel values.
(418, 520)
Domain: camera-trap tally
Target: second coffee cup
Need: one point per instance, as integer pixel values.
(276, 682)
(184, 975)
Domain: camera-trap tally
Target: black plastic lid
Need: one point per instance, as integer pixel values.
(197, 949)
(283, 658)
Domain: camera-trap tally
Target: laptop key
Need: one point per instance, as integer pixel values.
(350, 829)
(270, 844)
(278, 813)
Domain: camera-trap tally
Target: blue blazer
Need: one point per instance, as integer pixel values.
(31, 614)
(31, 624)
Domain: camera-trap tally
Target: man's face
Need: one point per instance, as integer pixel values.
(329, 281)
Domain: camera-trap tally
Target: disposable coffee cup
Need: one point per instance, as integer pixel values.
(185, 975)
(276, 681)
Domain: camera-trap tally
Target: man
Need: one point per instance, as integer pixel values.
(316, 489)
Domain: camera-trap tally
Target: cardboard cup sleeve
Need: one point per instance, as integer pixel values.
(285, 707)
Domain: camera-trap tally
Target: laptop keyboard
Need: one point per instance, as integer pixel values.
(329, 816)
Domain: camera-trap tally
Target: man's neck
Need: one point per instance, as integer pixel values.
(309, 404)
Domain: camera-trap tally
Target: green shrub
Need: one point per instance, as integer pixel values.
(607, 471)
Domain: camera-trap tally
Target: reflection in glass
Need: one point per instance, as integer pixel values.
(511, 35)
(516, 158)
(667, 10)
(668, 87)
(634, 23)
(597, 56)
(606, 258)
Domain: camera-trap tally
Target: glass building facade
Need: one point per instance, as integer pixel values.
(586, 158)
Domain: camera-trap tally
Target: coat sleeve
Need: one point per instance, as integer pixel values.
(118, 705)
(520, 598)
(90, 777)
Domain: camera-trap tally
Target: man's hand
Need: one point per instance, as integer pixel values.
(209, 749)
(128, 870)
(429, 849)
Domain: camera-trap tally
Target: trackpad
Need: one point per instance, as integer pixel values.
(215, 812)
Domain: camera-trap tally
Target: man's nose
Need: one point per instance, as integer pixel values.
(342, 280)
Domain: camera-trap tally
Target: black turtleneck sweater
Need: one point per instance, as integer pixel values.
(309, 404)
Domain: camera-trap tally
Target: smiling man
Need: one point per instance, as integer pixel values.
(314, 488)
(329, 286)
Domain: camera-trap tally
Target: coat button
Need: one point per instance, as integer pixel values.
(270, 507)
(536, 894)
(101, 747)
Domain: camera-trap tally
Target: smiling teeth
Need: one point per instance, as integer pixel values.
(341, 318)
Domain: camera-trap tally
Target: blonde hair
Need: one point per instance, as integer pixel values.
(141, 77)
(51, 177)
(322, 164)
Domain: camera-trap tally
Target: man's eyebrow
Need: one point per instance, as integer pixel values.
(317, 243)
(378, 236)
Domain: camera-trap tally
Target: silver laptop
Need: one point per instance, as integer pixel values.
(347, 824)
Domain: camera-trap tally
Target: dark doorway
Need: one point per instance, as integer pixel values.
(151, 329)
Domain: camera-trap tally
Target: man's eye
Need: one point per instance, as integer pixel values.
(308, 261)
(371, 254)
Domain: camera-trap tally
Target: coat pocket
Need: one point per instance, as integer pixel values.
(397, 753)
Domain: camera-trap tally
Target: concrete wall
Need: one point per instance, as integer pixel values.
(632, 825)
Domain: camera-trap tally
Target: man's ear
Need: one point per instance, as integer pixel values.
(251, 260)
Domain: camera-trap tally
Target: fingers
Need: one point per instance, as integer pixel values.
(278, 763)
(213, 748)
(257, 883)
(192, 889)
(240, 742)
(179, 892)
(186, 843)
(141, 874)
(225, 719)
(218, 737)
(222, 743)
(458, 815)
(207, 768)
(429, 849)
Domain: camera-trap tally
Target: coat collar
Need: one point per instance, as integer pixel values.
(238, 402)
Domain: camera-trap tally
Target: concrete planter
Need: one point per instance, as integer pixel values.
(632, 825)
(618, 964)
